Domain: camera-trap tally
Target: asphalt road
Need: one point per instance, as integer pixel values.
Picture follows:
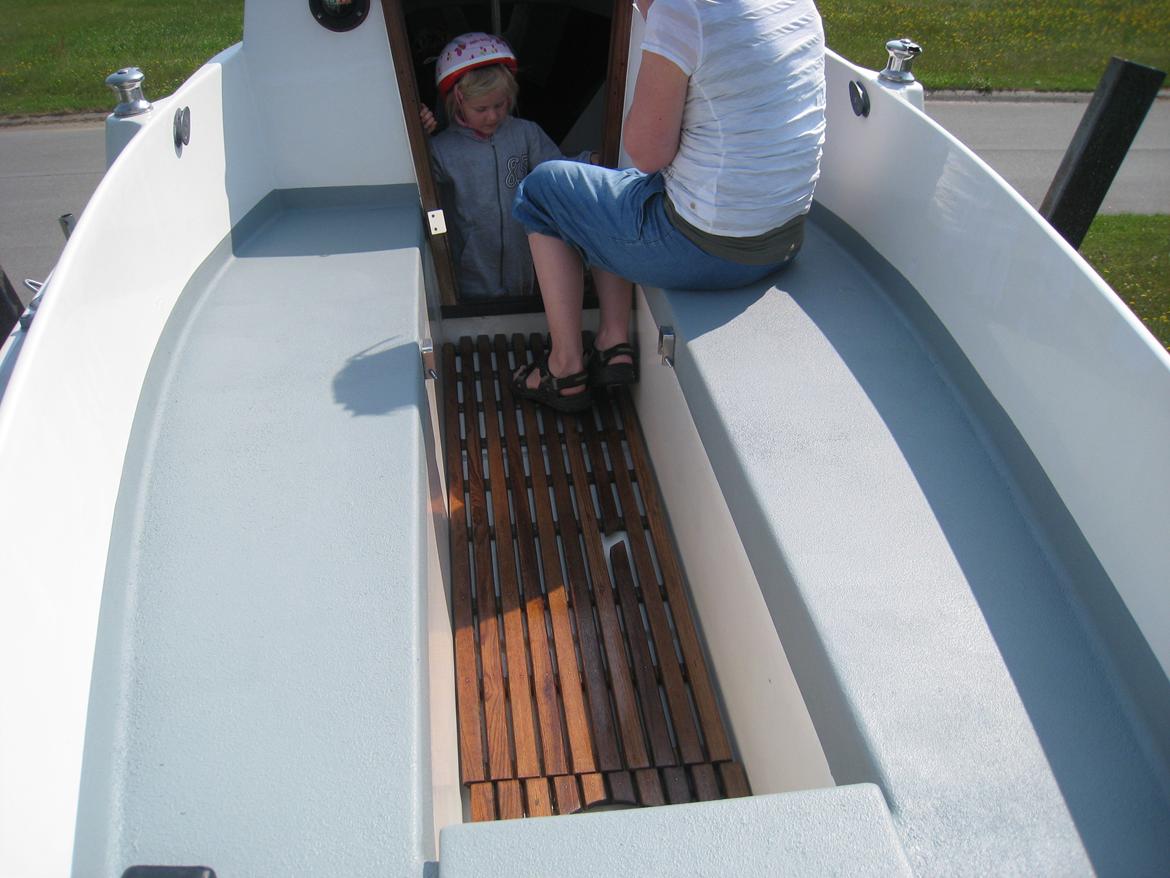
(1025, 140)
(48, 170)
(45, 171)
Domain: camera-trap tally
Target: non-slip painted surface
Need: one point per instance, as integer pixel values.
(940, 645)
(258, 703)
(844, 831)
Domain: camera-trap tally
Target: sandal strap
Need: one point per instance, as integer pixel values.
(547, 378)
(552, 382)
(574, 380)
(523, 371)
(622, 349)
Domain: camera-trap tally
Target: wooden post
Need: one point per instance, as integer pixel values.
(428, 192)
(615, 81)
(1107, 130)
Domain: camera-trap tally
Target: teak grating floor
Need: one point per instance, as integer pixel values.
(578, 682)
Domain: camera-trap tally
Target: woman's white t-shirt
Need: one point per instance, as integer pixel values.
(754, 121)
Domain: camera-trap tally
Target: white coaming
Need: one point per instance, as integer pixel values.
(1085, 383)
(910, 92)
(79, 375)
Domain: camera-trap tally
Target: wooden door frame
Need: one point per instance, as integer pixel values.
(428, 192)
(615, 80)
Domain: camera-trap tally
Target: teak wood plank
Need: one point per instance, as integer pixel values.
(653, 714)
(604, 734)
(510, 800)
(718, 745)
(491, 662)
(706, 783)
(649, 787)
(515, 643)
(603, 481)
(548, 709)
(467, 700)
(536, 791)
(624, 699)
(685, 730)
(735, 782)
(593, 791)
(619, 59)
(678, 791)
(621, 788)
(556, 591)
(483, 802)
(568, 794)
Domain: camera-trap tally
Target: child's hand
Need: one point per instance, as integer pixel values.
(429, 123)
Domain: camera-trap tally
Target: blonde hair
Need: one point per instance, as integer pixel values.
(480, 81)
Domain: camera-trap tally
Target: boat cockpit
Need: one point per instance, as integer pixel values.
(854, 580)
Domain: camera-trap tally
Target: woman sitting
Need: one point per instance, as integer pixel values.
(725, 130)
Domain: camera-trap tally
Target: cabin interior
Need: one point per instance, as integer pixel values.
(572, 78)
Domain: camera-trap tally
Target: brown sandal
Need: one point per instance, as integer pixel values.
(548, 392)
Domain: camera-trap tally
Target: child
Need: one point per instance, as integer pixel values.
(480, 159)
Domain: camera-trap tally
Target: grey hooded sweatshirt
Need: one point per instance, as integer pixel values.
(477, 179)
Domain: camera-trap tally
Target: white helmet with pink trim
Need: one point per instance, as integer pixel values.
(467, 52)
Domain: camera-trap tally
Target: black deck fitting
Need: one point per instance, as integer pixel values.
(1114, 115)
(10, 306)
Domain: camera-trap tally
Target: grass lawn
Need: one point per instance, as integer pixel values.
(1132, 254)
(56, 54)
(1049, 45)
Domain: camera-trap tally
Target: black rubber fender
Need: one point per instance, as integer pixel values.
(10, 306)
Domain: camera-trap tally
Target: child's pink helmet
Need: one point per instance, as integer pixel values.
(467, 52)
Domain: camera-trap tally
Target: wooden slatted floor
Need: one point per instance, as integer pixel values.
(580, 679)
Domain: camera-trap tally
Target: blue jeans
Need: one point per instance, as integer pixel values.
(616, 220)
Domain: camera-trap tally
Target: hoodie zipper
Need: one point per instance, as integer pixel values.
(499, 211)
